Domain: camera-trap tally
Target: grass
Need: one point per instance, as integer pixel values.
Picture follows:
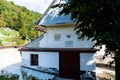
(6, 32)
(8, 35)
(9, 39)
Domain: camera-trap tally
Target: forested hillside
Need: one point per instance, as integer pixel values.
(19, 19)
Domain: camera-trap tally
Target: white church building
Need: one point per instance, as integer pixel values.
(59, 52)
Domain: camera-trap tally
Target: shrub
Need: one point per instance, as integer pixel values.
(8, 76)
(20, 42)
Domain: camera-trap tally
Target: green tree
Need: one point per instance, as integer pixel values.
(97, 19)
(2, 22)
(18, 18)
(32, 34)
(23, 32)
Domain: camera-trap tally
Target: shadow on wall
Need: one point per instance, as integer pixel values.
(19, 73)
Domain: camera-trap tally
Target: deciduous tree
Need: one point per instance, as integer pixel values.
(97, 19)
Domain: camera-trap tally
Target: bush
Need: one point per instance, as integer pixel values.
(25, 76)
(31, 77)
(0, 42)
(8, 76)
(14, 77)
(3, 77)
(20, 42)
(9, 39)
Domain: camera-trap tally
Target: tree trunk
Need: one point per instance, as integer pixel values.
(117, 66)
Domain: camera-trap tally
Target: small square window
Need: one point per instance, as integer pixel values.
(68, 36)
(57, 37)
(34, 59)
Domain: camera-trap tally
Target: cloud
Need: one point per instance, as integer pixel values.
(35, 5)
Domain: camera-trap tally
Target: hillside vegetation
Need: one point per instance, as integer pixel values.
(8, 37)
(19, 19)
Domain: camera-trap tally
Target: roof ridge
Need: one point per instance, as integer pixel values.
(37, 22)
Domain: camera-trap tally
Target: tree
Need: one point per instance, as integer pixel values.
(97, 19)
(18, 18)
(2, 22)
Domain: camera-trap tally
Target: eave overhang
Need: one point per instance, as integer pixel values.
(44, 27)
(40, 28)
(87, 50)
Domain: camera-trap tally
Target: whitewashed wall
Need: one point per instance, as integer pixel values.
(49, 42)
(51, 59)
(46, 59)
(26, 58)
(87, 62)
(39, 75)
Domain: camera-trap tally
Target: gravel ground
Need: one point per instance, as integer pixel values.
(10, 60)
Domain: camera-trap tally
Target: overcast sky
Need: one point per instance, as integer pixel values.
(35, 5)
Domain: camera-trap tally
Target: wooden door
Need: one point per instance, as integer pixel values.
(69, 65)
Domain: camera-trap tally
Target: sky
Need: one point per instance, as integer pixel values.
(34, 5)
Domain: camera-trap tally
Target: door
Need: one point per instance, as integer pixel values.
(69, 65)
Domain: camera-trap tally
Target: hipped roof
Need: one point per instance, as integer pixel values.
(52, 17)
